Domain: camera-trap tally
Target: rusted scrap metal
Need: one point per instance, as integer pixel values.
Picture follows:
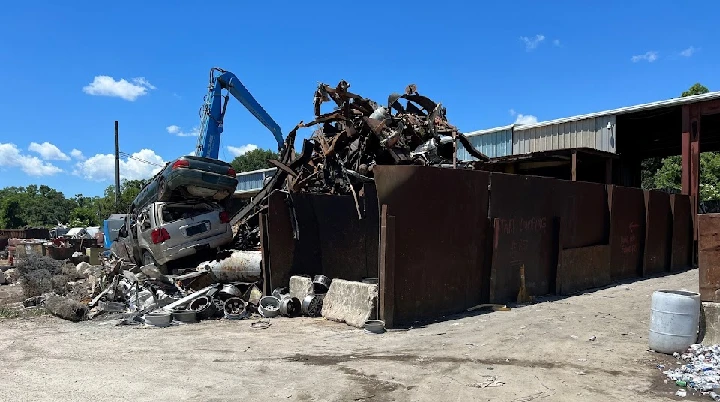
(360, 134)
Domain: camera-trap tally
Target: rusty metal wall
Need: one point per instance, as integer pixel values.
(682, 232)
(658, 235)
(521, 196)
(583, 268)
(279, 252)
(584, 213)
(627, 231)
(331, 240)
(709, 256)
(528, 243)
(440, 218)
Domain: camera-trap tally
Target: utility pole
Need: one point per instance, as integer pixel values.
(117, 169)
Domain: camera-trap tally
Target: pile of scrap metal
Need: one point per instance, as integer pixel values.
(356, 136)
(359, 134)
(127, 294)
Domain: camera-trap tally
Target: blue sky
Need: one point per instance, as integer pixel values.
(67, 73)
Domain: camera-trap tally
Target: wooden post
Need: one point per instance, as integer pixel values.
(573, 174)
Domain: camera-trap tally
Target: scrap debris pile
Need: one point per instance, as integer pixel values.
(128, 294)
(360, 133)
(700, 372)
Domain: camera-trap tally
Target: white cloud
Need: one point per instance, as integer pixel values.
(532, 43)
(648, 56)
(177, 130)
(77, 154)
(556, 42)
(48, 151)
(141, 81)
(241, 150)
(101, 167)
(104, 85)
(523, 118)
(11, 157)
(689, 51)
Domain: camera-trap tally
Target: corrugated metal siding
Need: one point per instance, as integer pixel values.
(587, 133)
(494, 144)
(253, 180)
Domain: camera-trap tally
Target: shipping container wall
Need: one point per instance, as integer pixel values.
(592, 133)
(493, 144)
(253, 180)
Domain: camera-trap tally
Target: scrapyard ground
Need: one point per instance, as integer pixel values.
(540, 352)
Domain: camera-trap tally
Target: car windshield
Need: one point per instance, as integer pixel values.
(175, 212)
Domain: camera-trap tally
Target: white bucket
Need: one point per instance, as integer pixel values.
(674, 320)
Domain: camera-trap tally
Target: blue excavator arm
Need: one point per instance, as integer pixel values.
(213, 112)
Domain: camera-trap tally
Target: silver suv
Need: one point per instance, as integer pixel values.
(166, 231)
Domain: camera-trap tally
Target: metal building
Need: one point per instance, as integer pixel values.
(494, 142)
(609, 146)
(249, 183)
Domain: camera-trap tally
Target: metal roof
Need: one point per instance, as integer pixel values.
(255, 171)
(490, 130)
(628, 109)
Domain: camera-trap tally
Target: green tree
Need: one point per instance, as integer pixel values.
(84, 216)
(254, 160)
(696, 89)
(11, 212)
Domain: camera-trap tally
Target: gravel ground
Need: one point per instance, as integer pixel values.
(540, 352)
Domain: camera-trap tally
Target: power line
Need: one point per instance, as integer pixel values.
(125, 154)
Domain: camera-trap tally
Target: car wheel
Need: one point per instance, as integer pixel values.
(162, 190)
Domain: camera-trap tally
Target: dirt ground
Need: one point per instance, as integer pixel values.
(540, 352)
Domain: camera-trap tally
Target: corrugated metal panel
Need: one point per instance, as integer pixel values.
(254, 180)
(492, 143)
(588, 133)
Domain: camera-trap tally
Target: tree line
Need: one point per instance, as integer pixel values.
(42, 206)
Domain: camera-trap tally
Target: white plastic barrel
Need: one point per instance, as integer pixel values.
(674, 320)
